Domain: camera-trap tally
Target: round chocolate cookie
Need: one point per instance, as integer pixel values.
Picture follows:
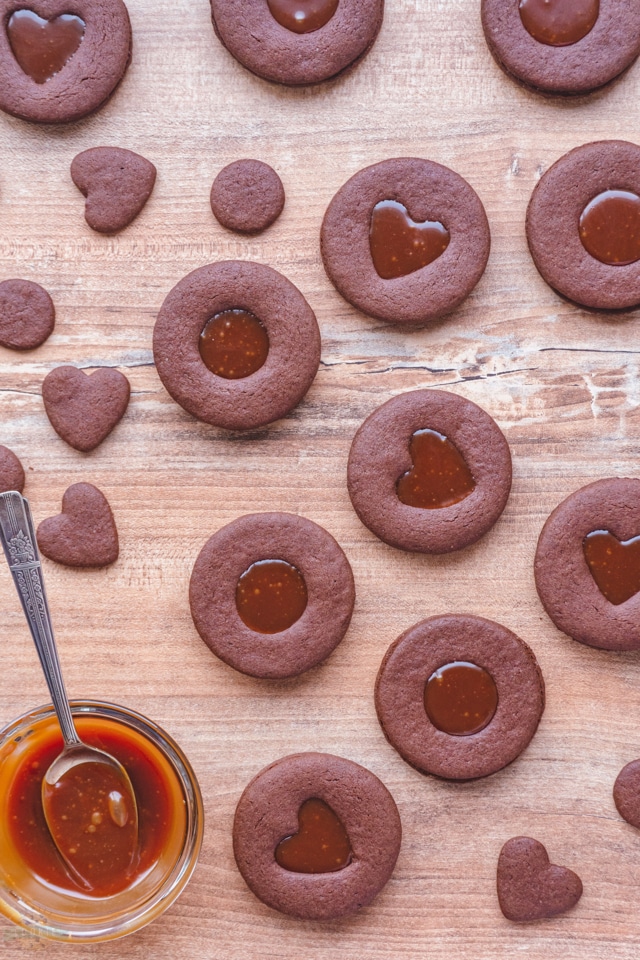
(429, 472)
(290, 341)
(562, 46)
(305, 588)
(247, 196)
(11, 471)
(557, 225)
(60, 61)
(379, 219)
(297, 43)
(476, 726)
(27, 315)
(587, 565)
(358, 831)
(626, 793)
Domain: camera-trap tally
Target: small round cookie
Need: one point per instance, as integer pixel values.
(230, 290)
(429, 472)
(60, 60)
(270, 814)
(561, 46)
(297, 42)
(504, 697)
(626, 793)
(247, 196)
(304, 599)
(405, 240)
(11, 471)
(564, 225)
(587, 565)
(27, 315)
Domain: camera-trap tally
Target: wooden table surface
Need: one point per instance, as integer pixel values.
(561, 382)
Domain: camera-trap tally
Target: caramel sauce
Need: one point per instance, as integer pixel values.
(302, 16)
(610, 227)
(614, 565)
(460, 699)
(234, 344)
(43, 47)
(439, 476)
(271, 596)
(399, 245)
(321, 844)
(559, 23)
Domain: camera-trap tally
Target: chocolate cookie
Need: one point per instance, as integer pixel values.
(429, 472)
(117, 183)
(272, 594)
(60, 61)
(529, 886)
(405, 240)
(247, 196)
(11, 471)
(626, 793)
(322, 863)
(84, 408)
(27, 315)
(297, 43)
(583, 225)
(459, 696)
(562, 46)
(236, 344)
(84, 534)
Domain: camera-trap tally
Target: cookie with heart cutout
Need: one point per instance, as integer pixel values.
(530, 887)
(84, 534)
(587, 565)
(11, 471)
(405, 240)
(61, 60)
(84, 408)
(27, 315)
(117, 184)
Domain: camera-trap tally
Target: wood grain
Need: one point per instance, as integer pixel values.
(562, 383)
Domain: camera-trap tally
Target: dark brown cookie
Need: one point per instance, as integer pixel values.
(84, 534)
(555, 224)
(11, 471)
(404, 693)
(626, 793)
(425, 196)
(27, 315)
(381, 454)
(292, 333)
(581, 46)
(593, 534)
(529, 886)
(268, 812)
(247, 196)
(321, 622)
(295, 54)
(84, 408)
(117, 183)
(61, 61)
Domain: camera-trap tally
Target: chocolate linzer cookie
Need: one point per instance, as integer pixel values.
(587, 565)
(84, 408)
(529, 886)
(626, 793)
(405, 240)
(27, 315)
(117, 184)
(84, 534)
(429, 472)
(247, 196)
(11, 471)
(459, 696)
(560, 46)
(272, 594)
(583, 225)
(297, 42)
(236, 344)
(60, 61)
(316, 836)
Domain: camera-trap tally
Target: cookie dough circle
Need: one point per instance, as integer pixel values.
(247, 196)
(88, 79)
(272, 536)
(432, 644)
(564, 582)
(11, 471)
(294, 345)
(27, 315)
(255, 38)
(428, 191)
(626, 793)
(604, 53)
(553, 220)
(267, 812)
(379, 456)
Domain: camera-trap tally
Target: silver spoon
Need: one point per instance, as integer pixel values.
(87, 796)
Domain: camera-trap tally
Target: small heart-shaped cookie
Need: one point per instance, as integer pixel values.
(529, 886)
(321, 844)
(84, 408)
(84, 534)
(117, 183)
(11, 471)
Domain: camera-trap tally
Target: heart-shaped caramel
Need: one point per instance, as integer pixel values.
(614, 565)
(302, 16)
(84, 534)
(399, 245)
(439, 476)
(43, 47)
(321, 844)
(529, 886)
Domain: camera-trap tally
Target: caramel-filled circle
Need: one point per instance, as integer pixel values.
(321, 844)
(400, 245)
(610, 227)
(271, 596)
(43, 47)
(559, 23)
(460, 698)
(302, 16)
(234, 344)
(439, 476)
(614, 565)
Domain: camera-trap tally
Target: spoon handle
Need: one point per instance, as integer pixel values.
(21, 550)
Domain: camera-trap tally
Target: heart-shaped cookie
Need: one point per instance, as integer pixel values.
(529, 886)
(399, 245)
(614, 565)
(321, 844)
(43, 47)
(11, 471)
(117, 183)
(84, 408)
(84, 534)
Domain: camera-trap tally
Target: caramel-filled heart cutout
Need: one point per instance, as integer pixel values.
(84, 408)
(529, 886)
(439, 476)
(321, 844)
(84, 534)
(614, 565)
(43, 47)
(399, 245)
(302, 16)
